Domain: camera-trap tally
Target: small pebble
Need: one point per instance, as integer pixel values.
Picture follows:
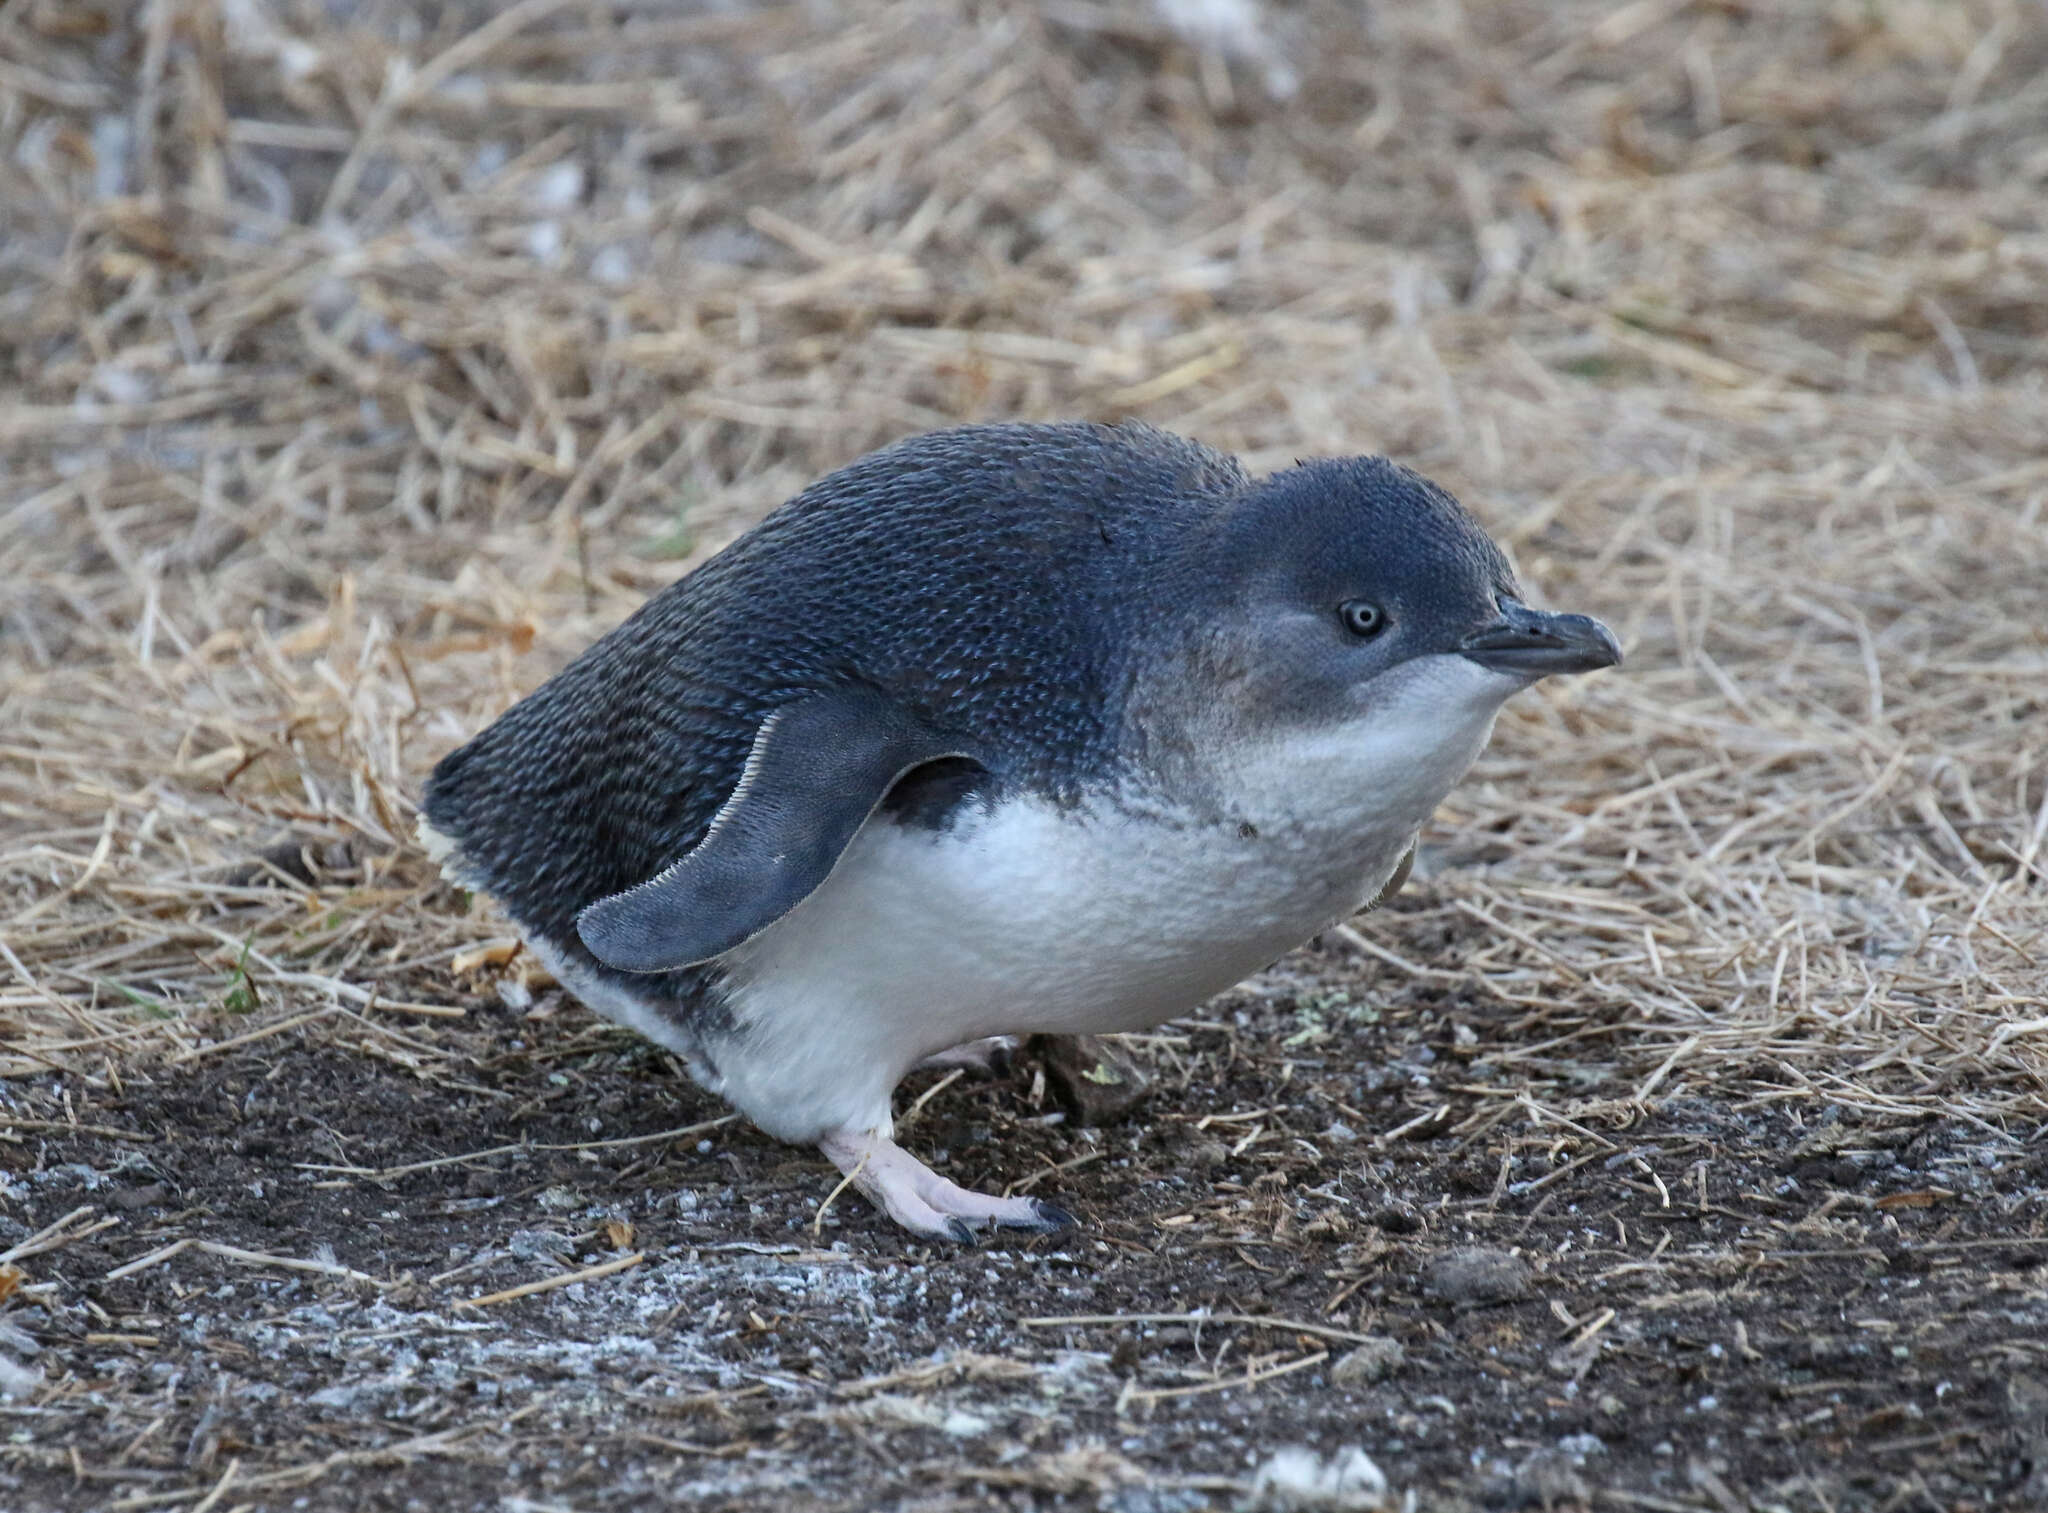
(1544, 1479)
(1297, 1480)
(1374, 1361)
(1398, 1219)
(1477, 1275)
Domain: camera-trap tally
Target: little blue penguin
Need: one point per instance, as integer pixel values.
(1001, 729)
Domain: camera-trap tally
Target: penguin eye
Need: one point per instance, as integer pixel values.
(1362, 618)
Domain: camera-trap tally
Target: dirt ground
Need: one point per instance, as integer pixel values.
(1707, 1301)
(1675, 1141)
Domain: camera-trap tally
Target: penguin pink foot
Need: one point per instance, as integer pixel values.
(924, 1202)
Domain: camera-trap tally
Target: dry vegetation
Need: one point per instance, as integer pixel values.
(361, 363)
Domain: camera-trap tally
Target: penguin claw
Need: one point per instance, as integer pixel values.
(960, 1231)
(1052, 1218)
(988, 1058)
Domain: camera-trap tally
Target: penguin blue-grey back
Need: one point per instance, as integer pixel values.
(1000, 729)
(985, 577)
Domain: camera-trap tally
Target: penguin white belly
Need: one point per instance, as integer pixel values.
(1033, 918)
(1025, 919)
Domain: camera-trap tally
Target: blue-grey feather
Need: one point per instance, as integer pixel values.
(988, 578)
(1006, 584)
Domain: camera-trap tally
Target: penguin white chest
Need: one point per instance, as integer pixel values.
(1034, 918)
(1105, 917)
(1027, 918)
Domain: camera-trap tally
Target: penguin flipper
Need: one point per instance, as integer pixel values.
(1393, 884)
(818, 769)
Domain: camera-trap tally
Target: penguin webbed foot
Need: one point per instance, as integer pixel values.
(988, 1058)
(926, 1203)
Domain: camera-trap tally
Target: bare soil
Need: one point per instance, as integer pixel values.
(1707, 1301)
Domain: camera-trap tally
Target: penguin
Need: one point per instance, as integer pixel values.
(1056, 728)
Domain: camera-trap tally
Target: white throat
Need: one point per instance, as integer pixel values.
(1379, 771)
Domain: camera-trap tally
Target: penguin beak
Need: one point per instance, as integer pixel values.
(1528, 643)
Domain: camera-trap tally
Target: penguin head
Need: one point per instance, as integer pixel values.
(1358, 631)
(1341, 571)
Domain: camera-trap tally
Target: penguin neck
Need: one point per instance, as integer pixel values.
(1362, 779)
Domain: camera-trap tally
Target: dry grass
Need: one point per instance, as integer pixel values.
(359, 372)
(362, 363)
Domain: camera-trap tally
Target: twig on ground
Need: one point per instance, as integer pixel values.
(549, 1284)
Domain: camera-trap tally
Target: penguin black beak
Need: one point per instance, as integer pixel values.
(1528, 643)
